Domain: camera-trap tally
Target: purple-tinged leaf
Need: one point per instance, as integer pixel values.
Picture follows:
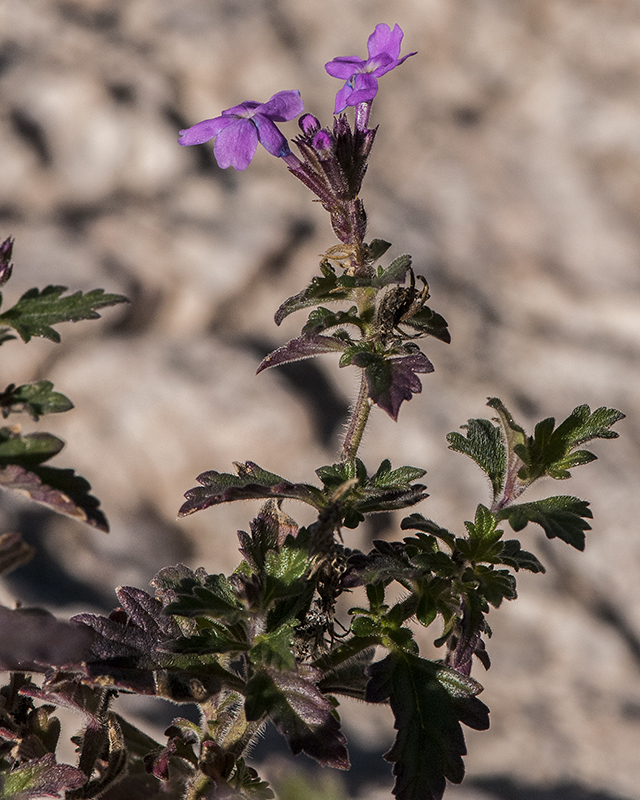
(132, 651)
(252, 482)
(34, 640)
(59, 489)
(393, 380)
(300, 348)
(39, 778)
(13, 552)
(300, 712)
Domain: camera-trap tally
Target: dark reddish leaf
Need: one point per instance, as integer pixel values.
(33, 639)
(39, 778)
(300, 712)
(59, 489)
(251, 482)
(398, 383)
(302, 347)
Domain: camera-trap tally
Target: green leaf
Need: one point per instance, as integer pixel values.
(551, 452)
(275, 649)
(214, 598)
(300, 712)
(327, 288)
(376, 249)
(428, 323)
(394, 273)
(483, 443)
(28, 450)
(482, 544)
(419, 523)
(428, 709)
(561, 516)
(40, 777)
(36, 399)
(495, 585)
(37, 311)
(321, 319)
(515, 557)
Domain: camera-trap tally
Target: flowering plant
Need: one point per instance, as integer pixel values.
(268, 644)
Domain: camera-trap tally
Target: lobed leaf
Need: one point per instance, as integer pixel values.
(303, 347)
(37, 311)
(40, 778)
(391, 381)
(428, 709)
(483, 443)
(37, 399)
(252, 482)
(300, 712)
(561, 516)
(59, 489)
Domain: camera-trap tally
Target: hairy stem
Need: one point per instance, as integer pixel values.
(357, 421)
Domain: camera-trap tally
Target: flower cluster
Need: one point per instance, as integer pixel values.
(238, 130)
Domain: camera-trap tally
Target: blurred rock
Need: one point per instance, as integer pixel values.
(507, 163)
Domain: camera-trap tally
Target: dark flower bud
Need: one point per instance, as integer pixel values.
(322, 144)
(309, 124)
(6, 267)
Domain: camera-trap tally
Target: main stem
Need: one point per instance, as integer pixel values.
(357, 421)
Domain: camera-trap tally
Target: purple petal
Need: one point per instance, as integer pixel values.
(385, 40)
(344, 66)
(387, 67)
(342, 98)
(364, 89)
(282, 106)
(236, 144)
(270, 137)
(203, 131)
(241, 109)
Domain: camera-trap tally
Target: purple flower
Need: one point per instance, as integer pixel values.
(239, 129)
(362, 76)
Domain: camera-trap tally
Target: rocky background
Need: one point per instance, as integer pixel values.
(507, 163)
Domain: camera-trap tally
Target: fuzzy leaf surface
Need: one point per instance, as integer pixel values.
(303, 347)
(300, 712)
(483, 443)
(551, 451)
(251, 482)
(561, 516)
(430, 744)
(39, 778)
(37, 311)
(391, 381)
(130, 650)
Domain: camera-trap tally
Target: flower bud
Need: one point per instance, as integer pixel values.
(309, 124)
(6, 267)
